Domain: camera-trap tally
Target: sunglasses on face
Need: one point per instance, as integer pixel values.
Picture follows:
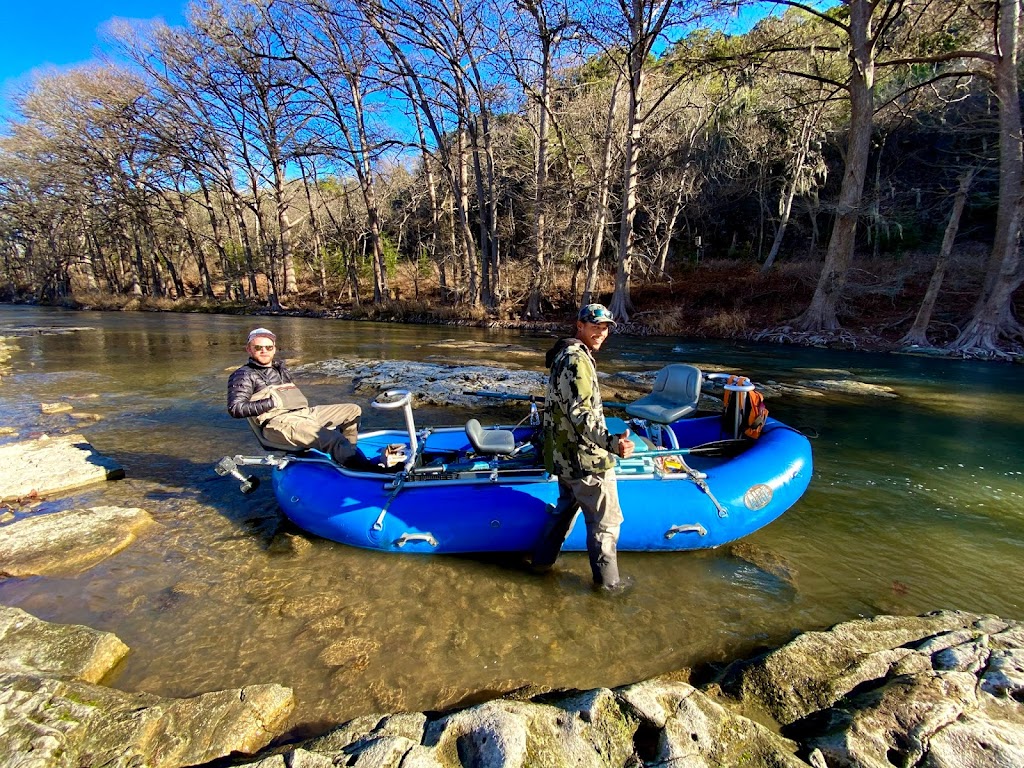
(262, 347)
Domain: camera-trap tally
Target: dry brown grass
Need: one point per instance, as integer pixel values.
(107, 302)
(715, 299)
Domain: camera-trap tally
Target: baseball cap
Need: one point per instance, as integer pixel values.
(256, 333)
(595, 313)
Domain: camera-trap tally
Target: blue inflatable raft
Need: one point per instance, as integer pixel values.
(471, 489)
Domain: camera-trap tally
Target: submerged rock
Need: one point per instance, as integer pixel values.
(50, 465)
(51, 408)
(849, 387)
(432, 383)
(68, 542)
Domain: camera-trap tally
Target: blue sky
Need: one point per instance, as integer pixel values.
(62, 33)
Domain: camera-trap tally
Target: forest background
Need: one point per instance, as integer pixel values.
(848, 174)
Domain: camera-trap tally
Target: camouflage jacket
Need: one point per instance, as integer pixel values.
(576, 440)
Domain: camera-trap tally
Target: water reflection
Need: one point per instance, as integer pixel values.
(916, 505)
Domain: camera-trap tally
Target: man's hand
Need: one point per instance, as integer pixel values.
(275, 398)
(625, 446)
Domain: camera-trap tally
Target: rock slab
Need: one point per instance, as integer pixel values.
(31, 646)
(46, 723)
(68, 542)
(943, 690)
(51, 465)
(52, 714)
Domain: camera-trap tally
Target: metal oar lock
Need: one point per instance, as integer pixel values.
(698, 478)
(229, 466)
(390, 400)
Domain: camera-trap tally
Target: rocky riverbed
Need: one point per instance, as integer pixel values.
(943, 689)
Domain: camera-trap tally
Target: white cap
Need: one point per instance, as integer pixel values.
(258, 332)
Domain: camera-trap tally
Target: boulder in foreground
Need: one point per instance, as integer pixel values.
(30, 645)
(46, 722)
(53, 714)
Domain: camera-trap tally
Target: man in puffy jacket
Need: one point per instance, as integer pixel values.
(579, 450)
(263, 390)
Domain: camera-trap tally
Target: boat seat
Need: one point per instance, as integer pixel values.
(490, 441)
(675, 394)
(266, 443)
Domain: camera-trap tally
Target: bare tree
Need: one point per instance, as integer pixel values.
(635, 27)
(918, 332)
(992, 315)
(425, 48)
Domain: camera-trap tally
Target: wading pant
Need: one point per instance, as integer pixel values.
(332, 429)
(598, 497)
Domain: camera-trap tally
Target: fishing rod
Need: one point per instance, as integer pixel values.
(539, 399)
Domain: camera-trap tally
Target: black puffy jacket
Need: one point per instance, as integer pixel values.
(251, 378)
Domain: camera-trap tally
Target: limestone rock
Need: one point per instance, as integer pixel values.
(849, 386)
(977, 742)
(51, 408)
(685, 727)
(367, 728)
(86, 416)
(894, 724)
(432, 383)
(68, 542)
(818, 668)
(29, 645)
(49, 722)
(587, 730)
(48, 466)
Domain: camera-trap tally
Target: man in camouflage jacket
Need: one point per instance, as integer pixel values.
(579, 450)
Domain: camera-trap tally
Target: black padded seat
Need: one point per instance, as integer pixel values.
(266, 443)
(675, 394)
(490, 441)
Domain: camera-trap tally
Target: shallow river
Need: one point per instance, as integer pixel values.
(917, 503)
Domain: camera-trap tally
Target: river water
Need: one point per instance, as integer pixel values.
(917, 504)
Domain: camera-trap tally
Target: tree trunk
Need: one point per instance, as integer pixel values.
(621, 303)
(462, 209)
(536, 297)
(821, 314)
(918, 333)
(218, 236)
(992, 315)
(788, 193)
(245, 242)
(284, 227)
(318, 244)
(600, 211)
(670, 228)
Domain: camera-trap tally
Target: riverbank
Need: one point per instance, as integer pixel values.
(942, 689)
(724, 300)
